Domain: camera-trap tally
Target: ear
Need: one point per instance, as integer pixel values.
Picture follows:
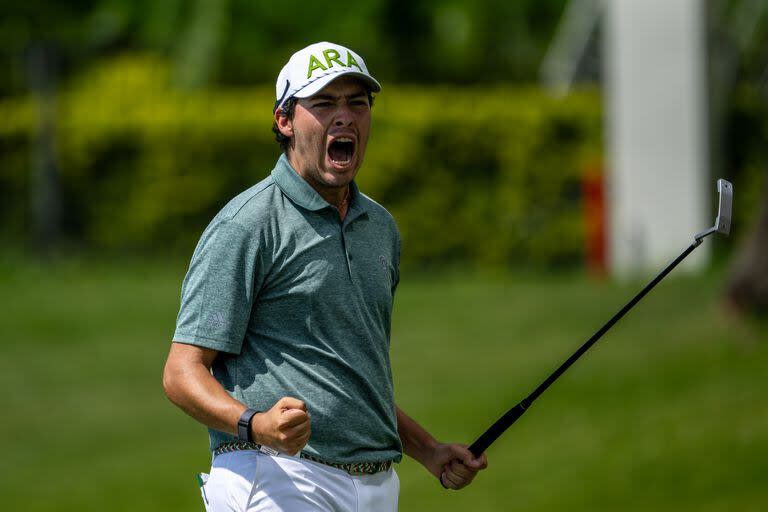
(284, 124)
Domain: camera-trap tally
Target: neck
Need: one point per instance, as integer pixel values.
(335, 196)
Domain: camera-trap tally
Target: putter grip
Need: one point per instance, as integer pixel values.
(502, 424)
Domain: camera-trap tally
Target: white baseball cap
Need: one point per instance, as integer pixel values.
(312, 68)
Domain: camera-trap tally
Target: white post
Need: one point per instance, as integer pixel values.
(658, 181)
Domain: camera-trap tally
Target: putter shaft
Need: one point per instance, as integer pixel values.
(511, 416)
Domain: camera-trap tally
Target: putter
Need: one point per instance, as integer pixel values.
(722, 225)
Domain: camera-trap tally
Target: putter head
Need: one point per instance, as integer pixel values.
(723, 220)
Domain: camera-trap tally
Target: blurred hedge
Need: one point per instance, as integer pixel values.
(472, 175)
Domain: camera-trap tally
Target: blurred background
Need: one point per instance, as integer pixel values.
(542, 158)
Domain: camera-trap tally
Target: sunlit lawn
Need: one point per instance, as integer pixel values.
(668, 412)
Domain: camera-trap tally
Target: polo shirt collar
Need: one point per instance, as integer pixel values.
(300, 192)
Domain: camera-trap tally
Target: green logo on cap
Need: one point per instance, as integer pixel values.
(331, 56)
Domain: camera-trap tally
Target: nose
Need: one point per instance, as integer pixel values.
(343, 116)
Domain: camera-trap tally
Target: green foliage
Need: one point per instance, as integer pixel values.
(245, 41)
(488, 176)
(480, 175)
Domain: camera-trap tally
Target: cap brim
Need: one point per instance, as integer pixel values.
(320, 83)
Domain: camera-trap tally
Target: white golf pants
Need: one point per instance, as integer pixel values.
(253, 481)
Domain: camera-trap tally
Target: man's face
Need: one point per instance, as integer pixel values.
(330, 133)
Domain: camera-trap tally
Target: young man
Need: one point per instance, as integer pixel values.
(282, 339)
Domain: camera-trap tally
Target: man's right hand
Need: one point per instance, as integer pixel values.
(285, 427)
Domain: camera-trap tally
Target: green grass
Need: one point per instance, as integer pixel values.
(669, 412)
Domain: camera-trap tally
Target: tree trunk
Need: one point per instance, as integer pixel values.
(747, 288)
(44, 179)
(201, 43)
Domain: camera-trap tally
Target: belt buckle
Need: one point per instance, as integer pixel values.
(267, 450)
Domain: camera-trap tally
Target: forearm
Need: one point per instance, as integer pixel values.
(189, 384)
(193, 389)
(417, 442)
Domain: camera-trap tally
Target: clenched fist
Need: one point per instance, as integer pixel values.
(285, 427)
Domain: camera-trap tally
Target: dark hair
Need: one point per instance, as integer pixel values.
(288, 109)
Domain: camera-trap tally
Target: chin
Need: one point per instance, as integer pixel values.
(339, 177)
(336, 181)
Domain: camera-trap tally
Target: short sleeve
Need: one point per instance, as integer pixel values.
(396, 261)
(218, 291)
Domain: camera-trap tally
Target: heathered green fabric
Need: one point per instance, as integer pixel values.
(299, 304)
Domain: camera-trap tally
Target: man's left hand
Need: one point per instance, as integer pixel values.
(456, 466)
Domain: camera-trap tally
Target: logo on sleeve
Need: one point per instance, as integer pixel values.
(217, 320)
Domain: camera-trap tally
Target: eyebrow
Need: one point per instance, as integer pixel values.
(328, 97)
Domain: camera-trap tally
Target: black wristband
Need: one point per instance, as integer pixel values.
(244, 426)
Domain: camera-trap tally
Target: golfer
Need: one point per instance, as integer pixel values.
(282, 340)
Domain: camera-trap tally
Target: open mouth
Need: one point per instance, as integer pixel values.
(341, 150)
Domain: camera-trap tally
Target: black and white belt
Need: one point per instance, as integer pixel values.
(356, 468)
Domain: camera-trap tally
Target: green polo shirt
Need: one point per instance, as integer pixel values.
(299, 304)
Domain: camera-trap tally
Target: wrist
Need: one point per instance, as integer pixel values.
(257, 429)
(244, 426)
(428, 448)
(425, 450)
